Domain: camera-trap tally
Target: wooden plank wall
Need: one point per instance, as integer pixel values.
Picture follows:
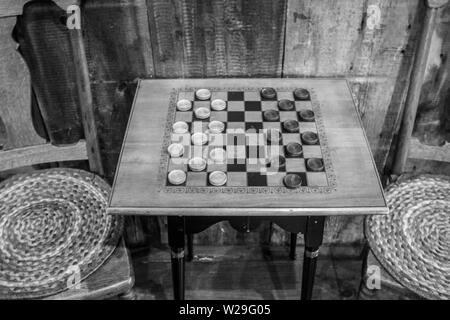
(370, 42)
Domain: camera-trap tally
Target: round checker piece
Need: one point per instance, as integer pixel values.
(199, 139)
(203, 94)
(218, 105)
(268, 93)
(202, 113)
(315, 164)
(307, 115)
(277, 163)
(286, 105)
(301, 94)
(175, 150)
(294, 149)
(292, 181)
(177, 177)
(291, 126)
(218, 178)
(310, 138)
(197, 164)
(180, 127)
(216, 126)
(184, 105)
(271, 115)
(218, 155)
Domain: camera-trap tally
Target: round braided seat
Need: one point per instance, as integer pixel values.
(53, 229)
(413, 242)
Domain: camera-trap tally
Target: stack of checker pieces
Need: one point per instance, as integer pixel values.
(268, 138)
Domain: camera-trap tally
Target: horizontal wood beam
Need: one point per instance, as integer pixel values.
(421, 151)
(44, 153)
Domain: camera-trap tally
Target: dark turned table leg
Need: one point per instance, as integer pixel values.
(292, 246)
(313, 240)
(190, 247)
(176, 243)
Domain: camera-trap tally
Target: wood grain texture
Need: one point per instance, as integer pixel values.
(15, 92)
(217, 38)
(136, 185)
(345, 39)
(117, 40)
(45, 153)
(85, 101)
(113, 278)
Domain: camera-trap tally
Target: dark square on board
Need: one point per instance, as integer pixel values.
(252, 105)
(256, 179)
(236, 96)
(236, 116)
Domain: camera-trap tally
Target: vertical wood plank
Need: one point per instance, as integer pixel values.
(85, 100)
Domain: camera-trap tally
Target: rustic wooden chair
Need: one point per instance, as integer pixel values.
(24, 147)
(410, 266)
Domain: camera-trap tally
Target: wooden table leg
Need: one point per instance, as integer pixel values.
(293, 246)
(313, 240)
(176, 243)
(190, 247)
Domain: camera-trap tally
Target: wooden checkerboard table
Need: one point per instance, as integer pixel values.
(288, 157)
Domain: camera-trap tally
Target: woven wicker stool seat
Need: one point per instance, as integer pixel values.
(53, 229)
(413, 242)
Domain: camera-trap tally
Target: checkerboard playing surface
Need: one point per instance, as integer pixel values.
(252, 158)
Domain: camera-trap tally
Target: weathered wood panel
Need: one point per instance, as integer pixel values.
(15, 93)
(117, 40)
(217, 38)
(372, 42)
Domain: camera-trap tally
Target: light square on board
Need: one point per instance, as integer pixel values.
(303, 105)
(316, 179)
(182, 138)
(288, 115)
(236, 106)
(217, 139)
(295, 165)
(312, 151)
(199, 126)
(237, 179)
(269, 105)
(236, 127)
(236, 152)
(185, 116)
(204, 104)
(199, 152)
(219, 116)
(219, 95)
(177, 164)
(274, 150)
(252, 96)
(307, 126)
(216, 167)
(272, 125)
(275, 179)
(189, 95)
(289, 95)
(253, 116)
(255, 139)
(197, 179)
(291, 137)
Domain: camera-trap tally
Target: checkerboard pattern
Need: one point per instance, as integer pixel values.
(245, 141)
